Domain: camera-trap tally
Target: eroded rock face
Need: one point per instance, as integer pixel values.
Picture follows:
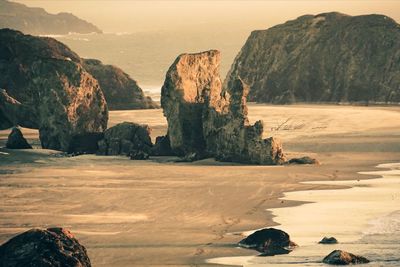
(269, 241)
(120, 90)
(16, 140)
(206, 120)
(127, 138)
(329, 57)
(37, 247)
(51, 90)
(340, 257)
(189, 81)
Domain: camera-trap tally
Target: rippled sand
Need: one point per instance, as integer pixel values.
(158, 212)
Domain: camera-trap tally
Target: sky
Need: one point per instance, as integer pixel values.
(141, 16)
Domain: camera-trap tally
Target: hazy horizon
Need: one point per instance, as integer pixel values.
(234, 16)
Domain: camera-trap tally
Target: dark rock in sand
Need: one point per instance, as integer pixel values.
(329, 57)
(44, 248)
(120, 90)
(16, 140)
(328, 240)
(340, 257)
(35, 20)
(162, 147)
(206, 120)
(138, 155)
(126, 138)
(55, 93)
(269, 242)
(303, 160)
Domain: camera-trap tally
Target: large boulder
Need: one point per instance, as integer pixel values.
(340, 257)
(48, 89)
(269, 241)
(329, 57)
(205, 119)
(126, 138)
(16, 140)
(120, 90)
(44, 248)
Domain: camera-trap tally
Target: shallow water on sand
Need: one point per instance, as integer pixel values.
(365, 218)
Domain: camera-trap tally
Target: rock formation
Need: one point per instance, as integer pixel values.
(37, 247)
(120, 90)
(16, 140)
(48, 89)
(128, 139)
(269, 241)
(340, 257)
(329, 57)
(34, 20)
(206, 120)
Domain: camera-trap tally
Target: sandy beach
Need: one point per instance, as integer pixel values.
(159, 212)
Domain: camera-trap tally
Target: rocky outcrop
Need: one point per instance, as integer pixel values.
(329, 57)
(206, 120)
(48, 89)
(120, 90)
(37, 247)
(34, 20)
(128, 139)
(16, 140)
(340, 257)
(328, 240)
(269, 241)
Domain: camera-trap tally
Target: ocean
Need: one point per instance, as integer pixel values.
(146, 56)
(365, 218)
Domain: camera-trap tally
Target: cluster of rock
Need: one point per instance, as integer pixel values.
(128, 139)
(37, 247)
(271, 241)
(47, 87)
(36, 20)
(205, 119)
(120, 90)
(329, 57)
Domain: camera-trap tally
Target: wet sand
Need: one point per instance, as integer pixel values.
(365, 218)
(157, 212)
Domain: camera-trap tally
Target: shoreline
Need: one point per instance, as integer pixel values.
(286, 217)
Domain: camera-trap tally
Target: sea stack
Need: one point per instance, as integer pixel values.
(47, 88)
(330, 57)
(205, 119)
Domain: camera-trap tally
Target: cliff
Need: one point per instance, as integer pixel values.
(38, 21)
(329, 57)
(47, 88)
